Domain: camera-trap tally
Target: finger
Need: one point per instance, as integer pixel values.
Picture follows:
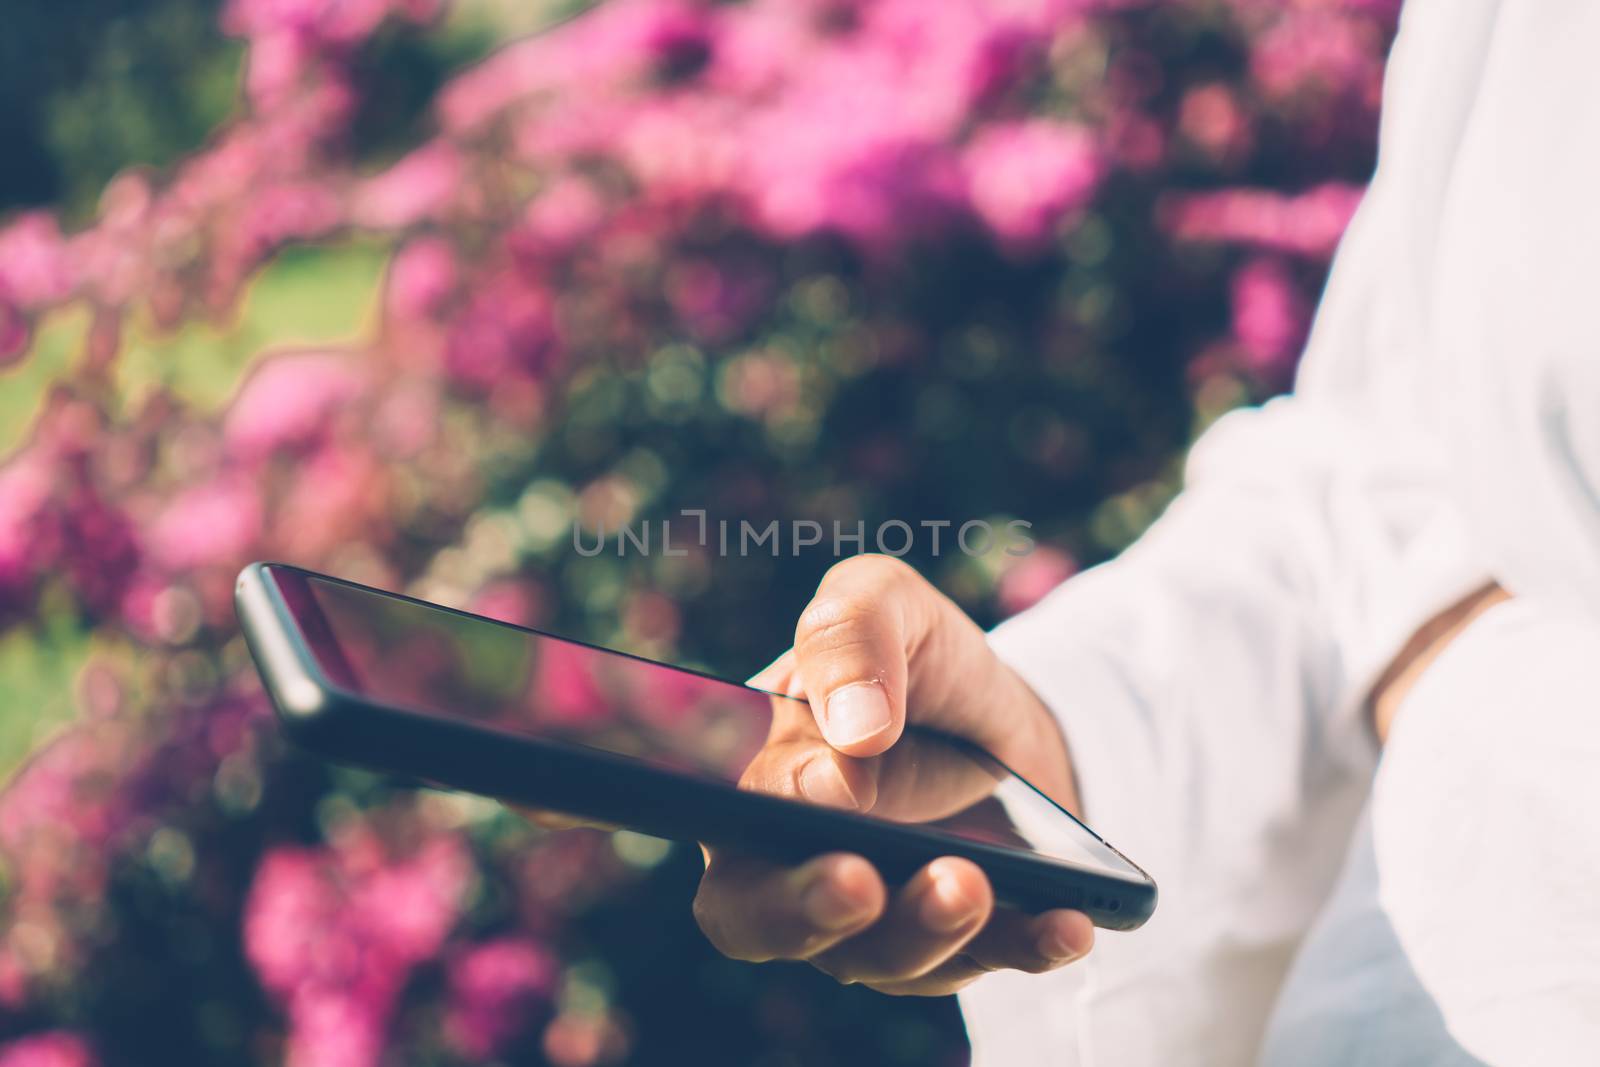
(753, 910)
(809, 770)
(1012, 941)
(777, 676)
(943, 906)
(851, 650)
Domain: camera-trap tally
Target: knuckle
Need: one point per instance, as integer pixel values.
(873, 570)
(969, 963)
(831, 621)
(712, 920)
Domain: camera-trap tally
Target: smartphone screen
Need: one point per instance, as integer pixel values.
(406, 654)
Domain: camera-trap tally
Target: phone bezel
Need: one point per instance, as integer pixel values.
(323, 715)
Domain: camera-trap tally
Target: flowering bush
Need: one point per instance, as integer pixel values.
(825, 259)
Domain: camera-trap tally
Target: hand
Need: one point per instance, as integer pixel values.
(876, 641)
(1432, 637)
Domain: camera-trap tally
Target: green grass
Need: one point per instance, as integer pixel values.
(316, 295)
(39, 667)
(320, 295)
(56, 342)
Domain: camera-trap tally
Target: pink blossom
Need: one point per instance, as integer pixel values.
(276, 64)
(287, 402)
(509, 329)
(1211, 117)
(1309, 224)
(565, 213)
(333, 933)
(54, 1049)
(15, 331)
(679, 146)
(25, 545)
(1024, 177)
(43, 799)
(422, 276)
(35, 265)
(100, 548)
(410, 905)
(611, 45)
(288, 211)
(328, 21)
(851, 149)
(407, 420)
(339, 489)
(334, 1027)
(1031, 577)
(1269, 315)
(493, 990)
(420, 186)
(209, 525)
(1321, 49)
(290, 904)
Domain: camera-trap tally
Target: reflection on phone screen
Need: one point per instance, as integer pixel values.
(410, 655)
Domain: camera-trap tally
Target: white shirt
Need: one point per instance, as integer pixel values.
(1319, 906)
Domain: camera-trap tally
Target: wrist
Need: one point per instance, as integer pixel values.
(1039, 751)
(1432, 637)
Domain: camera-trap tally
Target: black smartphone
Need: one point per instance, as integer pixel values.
(364, 676)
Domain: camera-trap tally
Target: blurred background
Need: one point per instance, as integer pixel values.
(407, 290)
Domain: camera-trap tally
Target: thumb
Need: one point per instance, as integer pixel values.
(850, 651)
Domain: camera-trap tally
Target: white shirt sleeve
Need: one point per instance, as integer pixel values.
(1210, 684)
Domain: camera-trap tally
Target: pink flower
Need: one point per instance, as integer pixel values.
(1310, 223)
(422, 276)
(100, 549)
(290, 211)
(565, 213)
(1211, 117)
(333, 933)
(1269, 314)
(26, 547)
(338, 490)
(291, 903)
(56, 1048)
(1326, 50)
(36, 268)
(327, 21)
(210, 525)
(493, 991)
(680, 147)
(334, 1027)
(15, 330)
(277, 61)
(509, 329)
(410, 905)
(1024, 177)
(1031, 577)
(420, 186)
(287, 402)
(614, 44)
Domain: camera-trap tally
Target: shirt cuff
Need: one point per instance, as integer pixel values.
(1056, 650)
